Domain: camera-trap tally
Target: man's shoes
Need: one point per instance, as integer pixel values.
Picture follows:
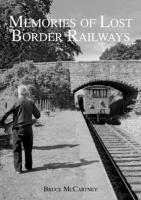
(29, 169)
(18, 172)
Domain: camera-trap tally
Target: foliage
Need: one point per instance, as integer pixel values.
(123, 52)
(14, 52)
(134, 51)
(52, 83)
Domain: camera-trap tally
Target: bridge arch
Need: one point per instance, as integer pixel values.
(125, 88)
(129, 92)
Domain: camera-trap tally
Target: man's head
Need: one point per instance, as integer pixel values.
(22, 91)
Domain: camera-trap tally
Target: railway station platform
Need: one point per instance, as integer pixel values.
(66, 164)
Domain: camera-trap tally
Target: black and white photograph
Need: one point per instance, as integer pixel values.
(70, 100)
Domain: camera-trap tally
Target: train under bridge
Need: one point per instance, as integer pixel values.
(123, 75)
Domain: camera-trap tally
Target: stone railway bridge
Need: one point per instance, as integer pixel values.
(123, 75)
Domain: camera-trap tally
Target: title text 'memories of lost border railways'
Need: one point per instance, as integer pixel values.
(84, 23)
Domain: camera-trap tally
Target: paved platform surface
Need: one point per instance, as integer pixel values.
(66, 164)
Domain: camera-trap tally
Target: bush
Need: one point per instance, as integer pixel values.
(51, 83)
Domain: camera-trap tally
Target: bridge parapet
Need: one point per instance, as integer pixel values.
(127, 71)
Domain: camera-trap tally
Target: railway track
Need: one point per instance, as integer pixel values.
(124, 154)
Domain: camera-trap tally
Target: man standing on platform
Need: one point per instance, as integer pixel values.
(22, 111)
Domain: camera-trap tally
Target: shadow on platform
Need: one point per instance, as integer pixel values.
(82, 162)
(55, 146)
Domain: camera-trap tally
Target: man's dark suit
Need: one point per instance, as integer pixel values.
(22, 112)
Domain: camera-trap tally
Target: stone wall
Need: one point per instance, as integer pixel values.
(128, 72)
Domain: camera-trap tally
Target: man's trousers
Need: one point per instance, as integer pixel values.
(22, 136)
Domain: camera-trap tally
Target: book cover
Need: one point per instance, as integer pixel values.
(78, 60)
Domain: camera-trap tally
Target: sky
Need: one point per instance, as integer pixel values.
(112, 11)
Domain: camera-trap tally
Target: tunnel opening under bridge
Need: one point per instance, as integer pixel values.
(121, 106)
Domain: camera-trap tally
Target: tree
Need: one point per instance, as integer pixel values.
(14, 52)
(134, 51)
(115, 52)
(123, 52)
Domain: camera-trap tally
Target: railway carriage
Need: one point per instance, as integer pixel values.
(96, 102)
